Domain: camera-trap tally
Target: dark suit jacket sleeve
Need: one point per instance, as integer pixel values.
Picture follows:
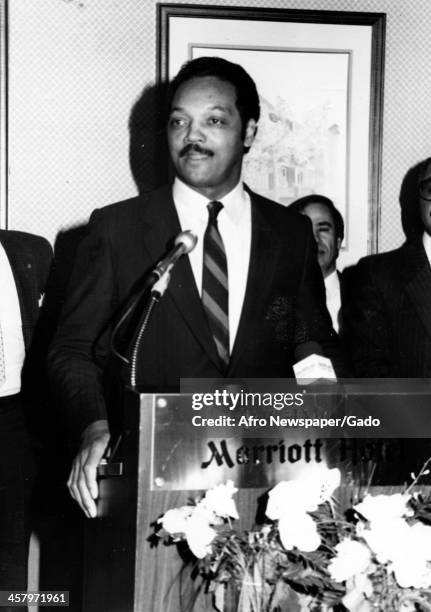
(75, 369)
(313, 325)
(365, 332)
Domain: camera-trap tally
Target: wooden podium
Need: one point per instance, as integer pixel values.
(165, 462)
(123, 571)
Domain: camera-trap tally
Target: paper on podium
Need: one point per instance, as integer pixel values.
(312, 368)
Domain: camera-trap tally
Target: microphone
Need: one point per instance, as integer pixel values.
(185, 242)
(157, 283)
(312, 366)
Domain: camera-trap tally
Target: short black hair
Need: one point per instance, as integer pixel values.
(409, 200)
(247, 98)
(316, 198)
(423, 166)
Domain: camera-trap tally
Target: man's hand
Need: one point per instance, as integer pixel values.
(82, 481)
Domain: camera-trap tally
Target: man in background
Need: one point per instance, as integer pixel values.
(387, 318)
(241, 304)
(328, 230)
(24, 266)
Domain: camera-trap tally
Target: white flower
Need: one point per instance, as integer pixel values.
(289, 502)
(387, 539)
(352, 558)
(420, 541)
(199, 535)
(406, 547)
(411, 555)
(298, 529)
(280, 498)
(174, 521)
(410, 572)
(327, 480)
(359, 588)
(219, 500)
(398, 542)
(384, 507)
(302, 495)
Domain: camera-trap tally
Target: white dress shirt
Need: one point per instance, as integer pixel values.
(11, 326)
(234, 223)
(333, 297)
(426, 239)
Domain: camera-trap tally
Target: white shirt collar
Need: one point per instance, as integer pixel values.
(11, 324)
(426, 239)
(234, 203)
(333, 297)
(332, 282)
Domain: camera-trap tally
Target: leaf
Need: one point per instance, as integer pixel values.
(219, 597)
(285, 598)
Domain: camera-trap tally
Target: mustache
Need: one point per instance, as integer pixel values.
(195, 148)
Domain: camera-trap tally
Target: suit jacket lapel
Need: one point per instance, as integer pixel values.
(160, 214)
(418, 281)
(265, 247)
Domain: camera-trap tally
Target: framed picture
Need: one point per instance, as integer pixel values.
(3, 116)
(319, 75)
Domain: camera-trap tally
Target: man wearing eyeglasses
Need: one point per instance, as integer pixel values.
(387, 318)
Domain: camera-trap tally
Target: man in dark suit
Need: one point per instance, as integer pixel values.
(242, 304)
(387, 317)
(328, 230)
(24, 265)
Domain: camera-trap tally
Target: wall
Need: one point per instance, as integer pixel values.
(77, 66)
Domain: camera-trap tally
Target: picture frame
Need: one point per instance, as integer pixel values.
(3, 114)
(321, 123)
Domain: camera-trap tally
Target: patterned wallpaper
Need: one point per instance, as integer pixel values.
(78, 66)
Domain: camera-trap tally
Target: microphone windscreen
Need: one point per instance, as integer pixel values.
(187, 240)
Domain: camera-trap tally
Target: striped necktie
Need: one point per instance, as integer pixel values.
(215, 292)
(2, 364)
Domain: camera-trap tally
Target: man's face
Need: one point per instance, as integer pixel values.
(325, 235)
(205, 136)
(425, 204)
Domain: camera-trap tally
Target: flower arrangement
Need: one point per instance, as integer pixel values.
(310, 554)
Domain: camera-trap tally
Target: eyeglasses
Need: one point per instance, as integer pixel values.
(425, 189)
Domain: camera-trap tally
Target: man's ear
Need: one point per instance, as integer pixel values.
(339, 241)
(250, 133)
